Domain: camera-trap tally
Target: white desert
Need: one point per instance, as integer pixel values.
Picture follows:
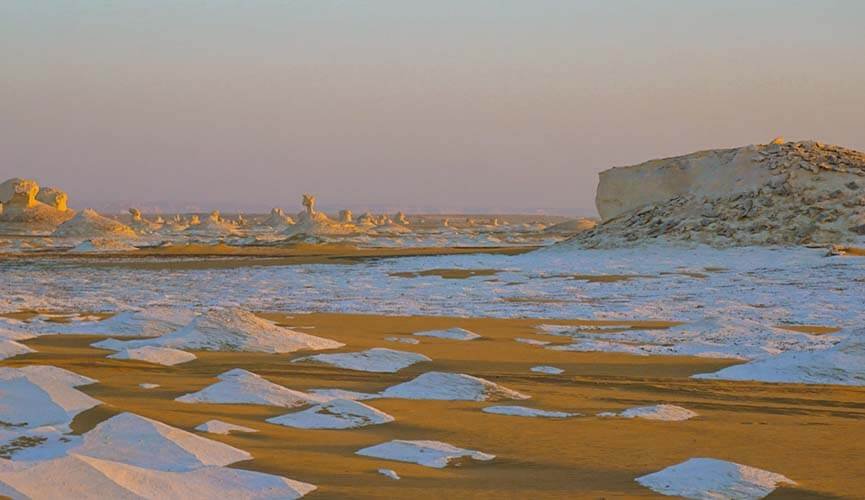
(555, 249)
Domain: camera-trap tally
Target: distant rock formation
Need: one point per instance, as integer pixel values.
(346, 217)
(278, 219)
(89, 224)
(214, 224)
(313, 223)
(140, 224)
(400, 218)
(780, 193)
(367, 219)
(26, 208)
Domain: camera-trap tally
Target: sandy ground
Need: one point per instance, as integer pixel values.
(221, 256)
(812, 434)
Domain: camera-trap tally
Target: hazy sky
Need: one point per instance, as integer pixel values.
(465, 104)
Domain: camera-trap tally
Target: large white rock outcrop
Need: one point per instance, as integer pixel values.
(313, 223)
(27, 208)
(779, 193)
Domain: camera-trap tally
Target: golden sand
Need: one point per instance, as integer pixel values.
(812, 434)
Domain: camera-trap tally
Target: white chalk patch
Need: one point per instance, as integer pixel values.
(158, 355)
(335, 414)
(379, 360)
(708, 478)
(427, 453)
(523, 411)
(451, 386)
(10, 348)
(239, 386)
(38, 396)
(842, 364)
(389, 473)
(549, 370)
(531, 341)
(149, 322)
(148, 386)
(220, 427)
(331, 394)
(450, 334)
(671, 413)
(403, 340)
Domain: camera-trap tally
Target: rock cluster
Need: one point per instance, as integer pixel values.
(26, 207)
(797, 193)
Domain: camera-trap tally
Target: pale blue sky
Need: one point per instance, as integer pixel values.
(483, 105)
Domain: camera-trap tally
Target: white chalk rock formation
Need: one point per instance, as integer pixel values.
(220, 427)
(452, 387)
(434, 454)
(165, 356)
(150, 322)
(667, 413)
(335, 414)
(240, 386)
(366, 219)
(278, 219)
(377, 359)
(214, 224)
(346, 217)
(400, 218)
(842, 364)
(780, 193)
(10, 349)
(709, 478)
(37, 396)
(26, 208)
(140, 224)
(234, 329)
(313, 223)
(129, 456)
(89, 224)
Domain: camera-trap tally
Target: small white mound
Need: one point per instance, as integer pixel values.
(331, 394)
(450, 334)
(451, 386)
(238, 330)
(10, 348)
(335, 414)
(549, 370)
(239, 386)
(151, 322)
(41, 443)
(89, 224)
(148, 385)
(403, 340)
(523, 411)
(532, 341)
(671, 413)
(37, 396)
(158, 355)
(377, 359)
(142, 442)
(103, 245)
(842, 364)
(427, 453)
(709, 479)
(220, 427)
(389, 473)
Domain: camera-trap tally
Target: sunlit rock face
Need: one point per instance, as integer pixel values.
(779, 193)
(28, 209)
(313, 223)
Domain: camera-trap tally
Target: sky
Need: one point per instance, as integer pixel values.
(452, 105)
